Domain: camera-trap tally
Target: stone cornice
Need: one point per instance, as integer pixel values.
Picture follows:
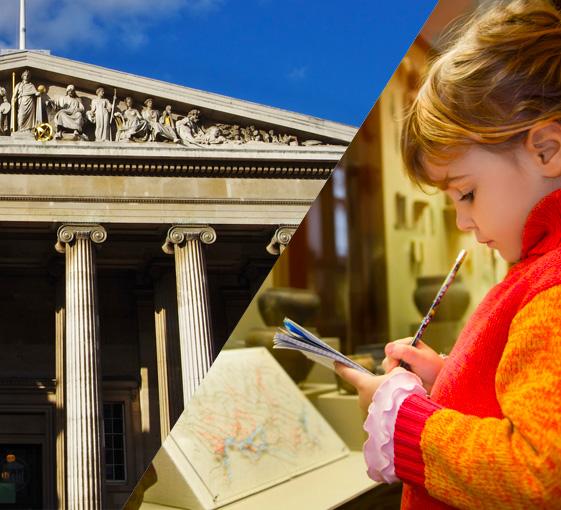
(12, 146)
(154, 200)
(162, 167)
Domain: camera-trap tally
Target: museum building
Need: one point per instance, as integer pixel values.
(137, 220)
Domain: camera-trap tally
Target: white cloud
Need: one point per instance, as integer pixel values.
(58, 24)
(203, 6)
(298, 73)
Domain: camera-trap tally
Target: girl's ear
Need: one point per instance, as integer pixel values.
(544, 145)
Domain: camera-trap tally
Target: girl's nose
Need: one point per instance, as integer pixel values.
(464, 222)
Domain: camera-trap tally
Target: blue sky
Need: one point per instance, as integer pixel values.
(330, 59)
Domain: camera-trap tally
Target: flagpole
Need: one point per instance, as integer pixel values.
(22, 25)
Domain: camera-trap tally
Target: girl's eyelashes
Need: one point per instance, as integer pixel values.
(466, 197)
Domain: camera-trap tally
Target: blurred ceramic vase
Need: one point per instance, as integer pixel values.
(300, 305)
(454, 303)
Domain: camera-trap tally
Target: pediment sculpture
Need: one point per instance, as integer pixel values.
(5, 108)
(131, 126)
(100, 114)
(81, 117)
(69, 114)
(26, 108)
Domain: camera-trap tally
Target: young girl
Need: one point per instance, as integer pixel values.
(482, 428)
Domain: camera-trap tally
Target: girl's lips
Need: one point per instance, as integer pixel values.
(488, 243)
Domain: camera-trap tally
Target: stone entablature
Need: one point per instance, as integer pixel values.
(160, 159)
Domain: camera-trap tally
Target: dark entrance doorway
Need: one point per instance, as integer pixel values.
(21, 477)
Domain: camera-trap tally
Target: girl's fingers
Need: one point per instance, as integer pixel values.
(351, 375)
(407, 353)
(422, 359)
(391, 361)
(389, 364)
(347, 373)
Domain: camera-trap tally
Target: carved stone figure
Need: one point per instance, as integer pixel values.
(25, 98)
(5, 108)
(166, 118)
(251, 134)
(273, 138)
(158, 130)
(231, 132)
(131, 126)
(69, 113)
(287, 139)
(100, 115)
(190, 130)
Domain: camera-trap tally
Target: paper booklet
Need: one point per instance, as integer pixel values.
(297, 338)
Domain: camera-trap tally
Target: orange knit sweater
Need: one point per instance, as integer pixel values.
(490, 435)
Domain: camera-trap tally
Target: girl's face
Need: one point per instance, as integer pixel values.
(493, 193)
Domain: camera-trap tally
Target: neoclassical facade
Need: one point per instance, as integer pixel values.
(137, 219)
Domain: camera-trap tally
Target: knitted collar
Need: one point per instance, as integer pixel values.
(542, 232)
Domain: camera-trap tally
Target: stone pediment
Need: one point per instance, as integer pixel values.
(177, 119)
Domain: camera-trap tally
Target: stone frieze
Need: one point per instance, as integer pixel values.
(30, 111)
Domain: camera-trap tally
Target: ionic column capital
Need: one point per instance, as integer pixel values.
(68, 233)
(179, 234)
(281, 238)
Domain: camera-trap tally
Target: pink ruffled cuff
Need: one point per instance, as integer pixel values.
(380, 423)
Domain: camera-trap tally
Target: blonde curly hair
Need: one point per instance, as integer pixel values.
(496, 80)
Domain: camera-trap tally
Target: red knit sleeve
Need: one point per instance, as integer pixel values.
(411, 418)
(511, 462)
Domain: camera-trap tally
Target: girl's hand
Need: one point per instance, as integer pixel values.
(424, 361)
(366, 384)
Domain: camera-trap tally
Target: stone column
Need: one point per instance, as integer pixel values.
(149, 378)
(195, 332)
(168, 353)
(60, 414)
(280, 239)
(84, 426)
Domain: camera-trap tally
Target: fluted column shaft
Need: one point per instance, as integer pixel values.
(168, 355)
(84, 426)
(195, 330)
(60, 398)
